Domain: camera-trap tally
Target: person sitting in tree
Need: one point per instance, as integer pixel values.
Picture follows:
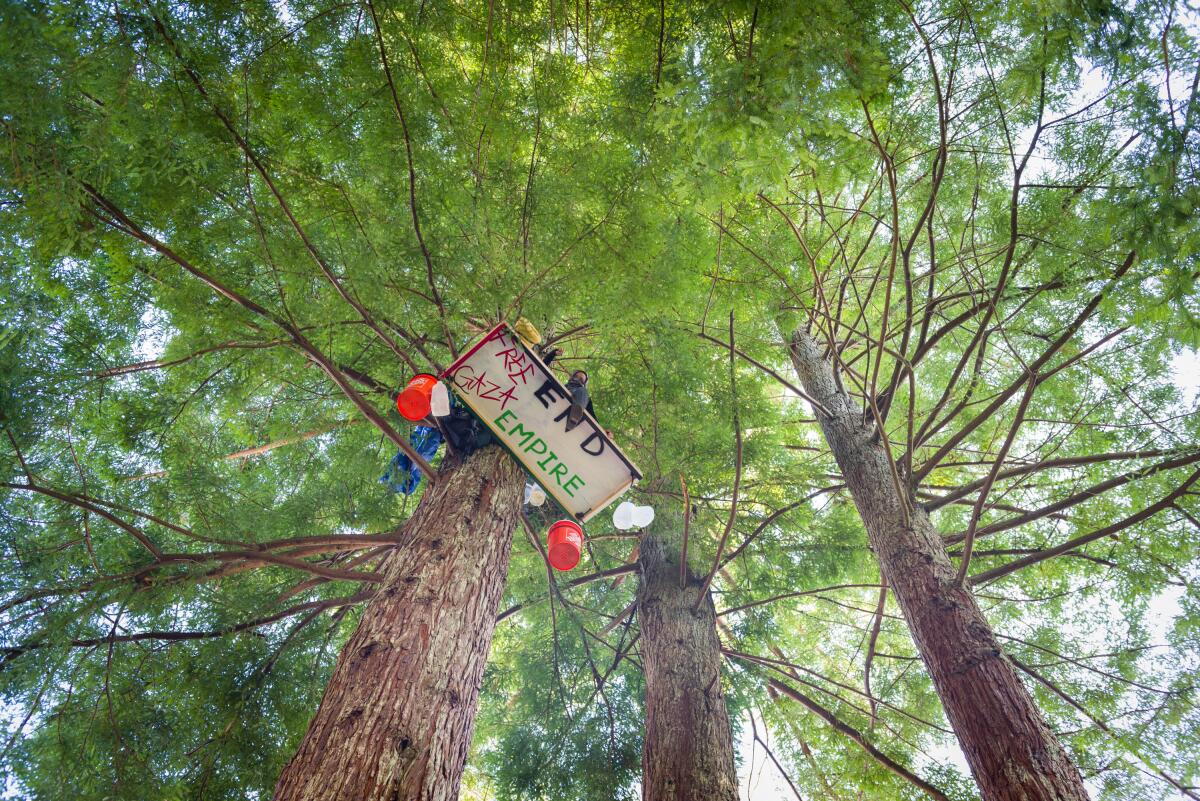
(577, 389)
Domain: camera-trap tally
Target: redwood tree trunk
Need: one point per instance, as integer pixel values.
(397, 716)
(1012, 753)
(688, 750)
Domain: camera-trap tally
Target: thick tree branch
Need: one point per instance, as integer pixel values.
(1069, 545)
(124, 223)
(261, 169)
(182, 636)
(1117, 737)
(1080, 497)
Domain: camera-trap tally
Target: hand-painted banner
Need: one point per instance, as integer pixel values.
(524, 404)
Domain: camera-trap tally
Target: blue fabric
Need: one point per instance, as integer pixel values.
(404, 476)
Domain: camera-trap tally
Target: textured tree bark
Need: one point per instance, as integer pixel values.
(397, 716)
(688, 750)
(1012, 752)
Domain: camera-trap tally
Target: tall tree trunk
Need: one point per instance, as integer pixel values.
(688, 751)
(396, 720)
(1012, 753)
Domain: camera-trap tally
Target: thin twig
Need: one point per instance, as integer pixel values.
(789, 385)
(412, 181)
(737, 475)
(687, 517)
(875, 627)
(857, 737)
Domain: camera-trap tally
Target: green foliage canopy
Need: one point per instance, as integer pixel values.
(216, 217)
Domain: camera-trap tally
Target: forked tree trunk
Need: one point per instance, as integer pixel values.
(688, 750)
(396, 720)
(1012, 753)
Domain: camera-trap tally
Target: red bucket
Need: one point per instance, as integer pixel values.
(564, 544)
(413, 402)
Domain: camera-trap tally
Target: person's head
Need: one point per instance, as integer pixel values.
(580, 376)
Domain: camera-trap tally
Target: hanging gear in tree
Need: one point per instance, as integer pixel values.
(525, 330)
(464, 431)
(577, 389)
(402, 475)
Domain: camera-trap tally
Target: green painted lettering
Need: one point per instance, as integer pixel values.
(521, 431)
(499, 419)
(559, 470)
(573, 483)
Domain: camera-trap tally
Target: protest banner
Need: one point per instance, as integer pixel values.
(509, 388)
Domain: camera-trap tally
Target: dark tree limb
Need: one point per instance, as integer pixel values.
(981, 501)
(620, 570)
(435, 296)
(125, 224)
(876, 625)
(858, 738)
(261, 169)
(182, 636)
(1079, 497)
(1069, 545)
